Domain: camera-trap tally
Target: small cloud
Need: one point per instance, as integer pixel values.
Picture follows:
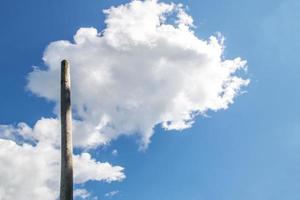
(81, 194)
(114, 152)
(112, 193)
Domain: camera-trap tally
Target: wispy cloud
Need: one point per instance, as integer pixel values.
(112, 193)
(114, 152)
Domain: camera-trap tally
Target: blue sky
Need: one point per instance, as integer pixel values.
(248, 152)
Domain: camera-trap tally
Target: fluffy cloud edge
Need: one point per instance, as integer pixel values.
(21, 151)
(151, 72)
(173, 76)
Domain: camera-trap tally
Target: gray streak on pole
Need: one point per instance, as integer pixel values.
(66, 179)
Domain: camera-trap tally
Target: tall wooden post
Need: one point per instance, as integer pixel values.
(66, 179)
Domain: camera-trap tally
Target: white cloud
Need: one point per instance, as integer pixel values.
(81, 194)
(142, 70)
(112, 193)
(30, 170)
(87, 169)
(115, 152)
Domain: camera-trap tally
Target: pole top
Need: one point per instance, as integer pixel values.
(64, 62)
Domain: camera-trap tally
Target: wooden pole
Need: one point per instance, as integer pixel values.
(66, 179)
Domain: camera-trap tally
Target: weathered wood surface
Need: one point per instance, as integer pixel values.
(66, 180)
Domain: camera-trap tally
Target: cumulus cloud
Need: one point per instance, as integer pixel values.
(28, 172)
(31, 168)
(89, 169)
(146, 68)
